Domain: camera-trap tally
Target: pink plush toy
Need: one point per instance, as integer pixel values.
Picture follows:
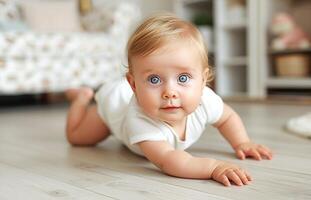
(288, 35)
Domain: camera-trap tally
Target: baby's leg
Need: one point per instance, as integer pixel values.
(84, 126)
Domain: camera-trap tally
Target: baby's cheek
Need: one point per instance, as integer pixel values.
(190, 104)
(193, 98)
(148, 101)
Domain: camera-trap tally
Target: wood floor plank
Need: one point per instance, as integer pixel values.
(33, 147)
(272, 178)
(280, 160)
(19, 184)
(94, 177)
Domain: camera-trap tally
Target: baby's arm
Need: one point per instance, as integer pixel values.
(181, 164)
(231, 127)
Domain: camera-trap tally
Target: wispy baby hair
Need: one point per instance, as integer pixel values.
(160, 29)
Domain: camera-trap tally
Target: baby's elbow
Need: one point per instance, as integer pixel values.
(226, 116)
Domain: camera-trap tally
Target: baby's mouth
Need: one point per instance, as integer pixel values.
(171, 108)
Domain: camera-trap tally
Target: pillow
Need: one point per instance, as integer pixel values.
(97, 20)
(51, 15)
(9, 11)
(10, 18)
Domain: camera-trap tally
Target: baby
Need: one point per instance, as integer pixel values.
(163, 105)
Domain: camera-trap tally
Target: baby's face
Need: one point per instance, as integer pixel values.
(168, 83)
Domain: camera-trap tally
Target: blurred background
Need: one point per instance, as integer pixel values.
(259, 49)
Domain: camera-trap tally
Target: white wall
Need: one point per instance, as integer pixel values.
(151, 6)
(148, 7)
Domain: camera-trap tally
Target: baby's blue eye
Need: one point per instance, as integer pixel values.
(153, 79)
(183, 78)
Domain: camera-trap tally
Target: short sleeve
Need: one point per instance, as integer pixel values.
(212, 104)
(141, 128)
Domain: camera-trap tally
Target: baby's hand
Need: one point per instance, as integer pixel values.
(250, 149)
(226, 172)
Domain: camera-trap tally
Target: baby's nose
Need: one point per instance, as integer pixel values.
(169, 94)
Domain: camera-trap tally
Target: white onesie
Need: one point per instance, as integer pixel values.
(118, 108)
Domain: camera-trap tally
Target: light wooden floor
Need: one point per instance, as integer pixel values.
(37, 163)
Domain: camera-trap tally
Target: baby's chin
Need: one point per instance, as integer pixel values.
(169, 116)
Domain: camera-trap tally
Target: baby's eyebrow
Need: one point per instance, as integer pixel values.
(147, 71)
(186, 69)
(180, 69)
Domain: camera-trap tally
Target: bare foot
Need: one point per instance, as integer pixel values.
(82, 95)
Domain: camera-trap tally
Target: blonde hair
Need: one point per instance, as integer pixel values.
(160, 29)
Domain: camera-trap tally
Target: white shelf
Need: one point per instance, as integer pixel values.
(236, 61)
(289, 82)
(268, 9)
(235, 26)
(235, 48)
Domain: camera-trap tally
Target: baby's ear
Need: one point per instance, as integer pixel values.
(131, 81)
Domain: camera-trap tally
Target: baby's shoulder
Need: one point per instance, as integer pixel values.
(211, 106)
(207, 91)
(134, 113)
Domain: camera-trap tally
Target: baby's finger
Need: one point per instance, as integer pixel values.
(265, 153)
(234, 177)
(249, 177)
(224, 180)
(268, 151)
(253, 153)
(240, 154)
(242, 175)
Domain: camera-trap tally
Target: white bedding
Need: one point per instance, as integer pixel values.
(36, 62)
